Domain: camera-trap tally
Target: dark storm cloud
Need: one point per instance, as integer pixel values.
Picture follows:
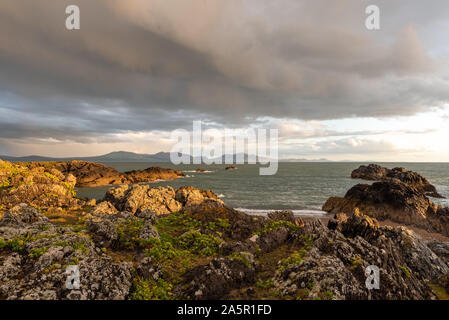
(140, 65)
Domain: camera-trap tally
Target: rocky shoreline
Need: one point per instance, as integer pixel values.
(401, 201)
(92, 174)
(163, 243)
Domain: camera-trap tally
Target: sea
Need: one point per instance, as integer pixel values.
(301, 187)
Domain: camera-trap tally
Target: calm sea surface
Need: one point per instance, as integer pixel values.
(301, 187)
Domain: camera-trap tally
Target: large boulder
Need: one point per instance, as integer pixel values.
(161, 200)
(395, 201)
(413, 179)
(384, 200)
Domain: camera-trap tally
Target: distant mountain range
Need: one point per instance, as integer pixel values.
(123, 156)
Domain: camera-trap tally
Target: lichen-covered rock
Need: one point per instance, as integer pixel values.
(92, 174)
(214, 280)
(37, 186)
(209, 251)
(334, 267)
(22, 214)
(35, 255)
(104, 207)
(121, 229)
(161, 200)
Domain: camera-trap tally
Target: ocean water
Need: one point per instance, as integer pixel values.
(301, 187)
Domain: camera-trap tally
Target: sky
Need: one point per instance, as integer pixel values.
(139, 69)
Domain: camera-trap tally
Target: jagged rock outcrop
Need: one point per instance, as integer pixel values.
(334, 267)
(108, 231)
(209, 251)
(38, 186)
(384, 200)
(104, 207)
(392, 200)
(161, 200)
(413, 179)
(92, 174)
(216, 279)
(38, 254)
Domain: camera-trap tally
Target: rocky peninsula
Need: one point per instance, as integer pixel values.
(92, 174)
(163, 243)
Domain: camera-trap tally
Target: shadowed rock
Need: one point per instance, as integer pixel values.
(413, 179)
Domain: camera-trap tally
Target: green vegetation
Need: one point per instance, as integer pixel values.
(51, 176)
(274, 225)
(74, 261)
(184, 243)
(51, 268)
(298, 256)
(36, 253)
(356, 262)
(17, 244)
(5, 184)
(265, 285)
(151, 290)
(199, 243)
(238, 256)
(76, 245)
(44, 228)
(406, 271)
(329, 295)
(128, 233)
(71, 189)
